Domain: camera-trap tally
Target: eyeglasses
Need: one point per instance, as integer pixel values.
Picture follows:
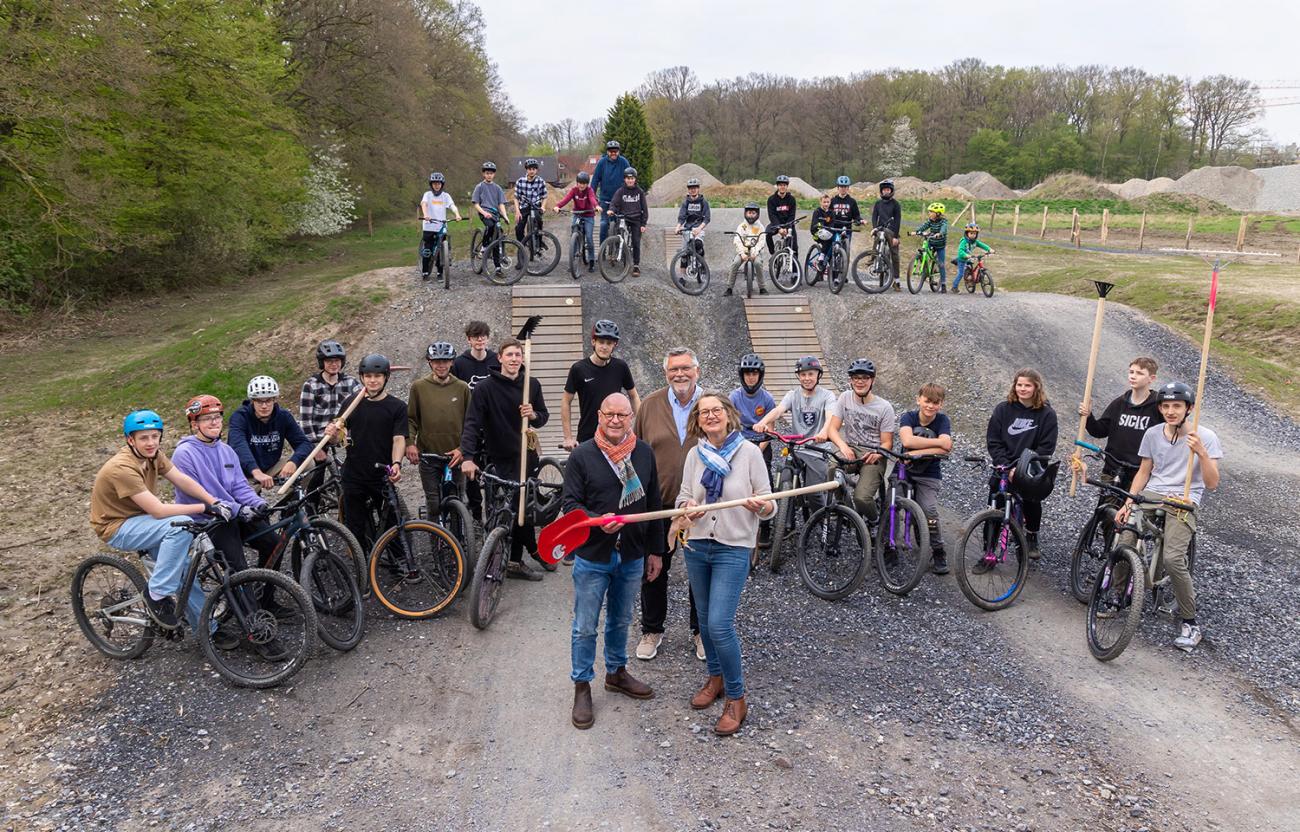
(676, 371)
(714, 411)
(209, 418)
(615, 417)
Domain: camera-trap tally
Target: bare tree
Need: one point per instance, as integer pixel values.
(1218, 108)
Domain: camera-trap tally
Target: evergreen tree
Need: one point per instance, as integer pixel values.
(626, 125)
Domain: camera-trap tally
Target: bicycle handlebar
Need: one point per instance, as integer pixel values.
(1140, 499)
(1097, 450)
(903, 457)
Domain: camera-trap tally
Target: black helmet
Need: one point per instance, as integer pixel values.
(693, 182)
(1176, 391)
(583, 176)
(751, 206)
(531, 163)
(862, 366)
(886, 183)
(783, 180)
(751, 363)
(375, 363)
(629, 171)
(809, 362)
(605, 329)
(437, 177)
(440, 351)
(613, 145)
(329, 349)
(1035, 475)
(489, 166)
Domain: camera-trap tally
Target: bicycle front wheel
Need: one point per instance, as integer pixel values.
(274, 621)
(416, 569)
(108, 603)
(545, 502)
(903, 546)
(444, 263)
(785, 271)
(454, 515)
(689, 273)
(915, 280)
(576, 244)
(335, 537)
(504, 262)
(475, 251)
(1089, 553)
(932, 276)
(991, 561)
(783, 523)
(834, 552)
(489, 578)
(839, 270)
(869, 275)
(1115, 608)
(986, 283)
(336, 597)
(615, 259)
(543, 253)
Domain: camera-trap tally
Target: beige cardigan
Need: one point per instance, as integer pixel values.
(731, 526)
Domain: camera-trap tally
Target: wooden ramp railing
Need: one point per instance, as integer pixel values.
(559, 341)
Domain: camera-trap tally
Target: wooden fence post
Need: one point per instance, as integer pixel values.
(1015, 220)
(370, 221)
(1105, 225)
(993, 214)
(1042, 229)
(1241, 233)
(1074, 228)
(1142, 230)
(1190, 220)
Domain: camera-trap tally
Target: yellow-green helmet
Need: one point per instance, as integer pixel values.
(937, 207)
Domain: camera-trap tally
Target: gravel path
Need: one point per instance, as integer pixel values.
(872, 713)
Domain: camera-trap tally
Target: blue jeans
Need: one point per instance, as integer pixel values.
(170, 548)
(718, 573)
(615, 585)
(942, 263)
(605, 220)
(585, 225)
(961, 272)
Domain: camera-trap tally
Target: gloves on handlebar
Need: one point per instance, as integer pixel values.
(223, 511)
(250, 514)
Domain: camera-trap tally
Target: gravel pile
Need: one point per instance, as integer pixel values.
(1069, 186)
(1138, 188)
(981, 184)
(801, 188)
(1281, 189)
(667, 189)
(1232, 185)
(910, 187)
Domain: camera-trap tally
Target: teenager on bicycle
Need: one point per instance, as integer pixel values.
(435, 413)
(433, 212)
(821, 227)
(474, 366)
(935, 228)
(490, 203)
(752, 401)
(844, 209)
(125, 512)
(860, 418)
(1125, 422)
(887, 213)
(1166, 451)
(927, 431)
(969, 245)
(492, 430)
(629, 201)
(747, 250)
(781, 211)
(693, 216)
(585, 206)
(608, 178)
(260, 429)
(1023, 421)
(321, 399)
(530, 196)
(592, 379)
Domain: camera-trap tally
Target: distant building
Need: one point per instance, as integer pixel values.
(549, 168)
(571, 164)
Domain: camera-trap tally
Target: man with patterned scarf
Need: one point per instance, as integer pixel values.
(614, 472)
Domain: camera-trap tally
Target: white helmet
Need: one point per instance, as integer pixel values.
(263, 387)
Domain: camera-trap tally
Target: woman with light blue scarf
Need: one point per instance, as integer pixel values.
(723, 466)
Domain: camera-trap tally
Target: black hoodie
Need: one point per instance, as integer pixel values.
(492, 421)
(1014, 427)
(1125, 423)
(887, 213)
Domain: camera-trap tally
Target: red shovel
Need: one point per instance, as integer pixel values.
(566, 533)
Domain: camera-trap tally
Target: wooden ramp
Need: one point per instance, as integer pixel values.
(781, 331)
(559, 341)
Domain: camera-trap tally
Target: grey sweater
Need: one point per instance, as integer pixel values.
(731, 526)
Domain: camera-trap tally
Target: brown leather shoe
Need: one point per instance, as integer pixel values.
(625, 683)
(583, 715)
(708, 694)
(733, 716)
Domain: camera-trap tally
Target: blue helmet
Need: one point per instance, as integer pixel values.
(843, 180)
(138, 420)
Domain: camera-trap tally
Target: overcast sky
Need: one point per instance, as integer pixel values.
(573, 57)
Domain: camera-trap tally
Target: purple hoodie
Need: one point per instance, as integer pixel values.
(215, 467)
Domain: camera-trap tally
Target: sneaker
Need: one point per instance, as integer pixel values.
(272, 651)
(163, 611)
(943, 290)
(522, 571)
(498, 271)
(1189, 635)
(939, 562)
(549, 567)
(568, 559)
(891, 556)
(424, 275)
(636, 271)
(648, 647)
(699, 647)
(983, 565)
(1032, 541)
(591, 267)
(762, 291)
(225, 638)
(726, 293)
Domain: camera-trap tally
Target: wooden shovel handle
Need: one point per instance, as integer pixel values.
(664, 514)
(324, 440)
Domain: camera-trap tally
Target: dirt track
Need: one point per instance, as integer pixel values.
(876, 713)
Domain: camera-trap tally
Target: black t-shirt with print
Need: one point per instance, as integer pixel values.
(371, 429)
(592, 384)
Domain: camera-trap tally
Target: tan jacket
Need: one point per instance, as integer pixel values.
(655, 425)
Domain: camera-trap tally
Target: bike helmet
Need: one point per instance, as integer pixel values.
(629, 171)
(375, 363)
(809, 362)
(783, 180)
(436, 177)
(613, 145)
(862, 366)
(531, 163)
(202, 406)
(937, 207)
(440, 351)
(1176, 391)
(972, 226)
(329, 349)
(824, 234)
(263, 387)
(138, 420)
(583, 177)
(886, 183)
(605, 329)
(1035, 476)
(843, 180)
(751, 206)
(489, 166)
(751, 363)
(693, 182)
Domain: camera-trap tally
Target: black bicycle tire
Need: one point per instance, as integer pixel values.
(786, 256)
(684, 285)
(838, 276)
(936, 282)
(137, 580)
(355, 603)
(916, 515)
(554, 243)
(476, 259)
(510, 275)
(455, 506)
(444, 266)
(624, 264)
(545, 507)
(784, 509)
(986, 283)
(1133, 614)
(859, 527)
(377, 553)
(356, 556)
(496, 539)
(305, 610)
(916, 286)
(1078, 568)
(1022, 566)
(866, 285)
(576, 244)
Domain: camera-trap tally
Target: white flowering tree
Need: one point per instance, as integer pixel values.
(331, 200)
(899, 153)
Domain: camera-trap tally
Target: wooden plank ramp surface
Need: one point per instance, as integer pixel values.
(559, 340)
(781, 331)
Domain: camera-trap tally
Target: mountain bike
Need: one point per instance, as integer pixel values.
(416, 566)
(1098, 533)
(834, 550)
(873, 269)
(579, 256)
(835, 263)
(688, 270)
(903, 535)
(784, 267)
(108, 602)
(923, 268)
(749, 266)
(501, 499)
(992, 561)
(541, 247)
(977, 275)
(794, 465)
(451, 512)
(439, 254)
(1118, 593)
(615, 256)
(326, 497)
(507, 255)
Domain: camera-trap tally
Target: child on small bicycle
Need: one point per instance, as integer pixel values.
(821, 226)
(970, 243)
(887, 214)
(1022, 421)
(935, 229)
(585, 206)
(925, 431)
(1166, 451)
(859, 419)
(693, 215)
(490, 203)
(807, 405)
(748, 235)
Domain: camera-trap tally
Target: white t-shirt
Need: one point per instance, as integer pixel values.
(436, 207)
(1169, 461)
(863, 423)
(807, 413)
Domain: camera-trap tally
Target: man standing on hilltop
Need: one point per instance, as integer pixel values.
(608, 178)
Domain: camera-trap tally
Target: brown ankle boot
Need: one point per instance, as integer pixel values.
(708, 694)
(583, 716)
(733, 716)
(620, 681)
